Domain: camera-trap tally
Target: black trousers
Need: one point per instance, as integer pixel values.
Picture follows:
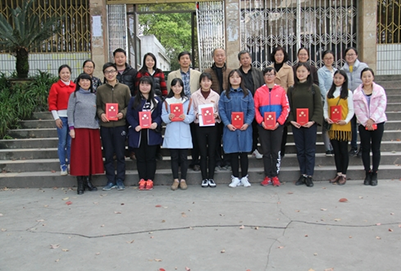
(146, 158)
(113, 140)
(341, 156)
(271, 144)
(195, 148)
(236, 159)
(179, 159)
(371, 140)
(207, 148)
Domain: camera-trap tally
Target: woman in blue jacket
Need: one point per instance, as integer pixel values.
(177, 136)
(145, 141)
(237, 141)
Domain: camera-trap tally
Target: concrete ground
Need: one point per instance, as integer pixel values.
(203, 229)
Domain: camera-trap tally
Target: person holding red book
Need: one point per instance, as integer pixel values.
(145, 141)
(237, 141)
(206, 135)
(177, 137)
(306, 96)
(58, 102)
(340, 131)
(271, 100)
(370, 102)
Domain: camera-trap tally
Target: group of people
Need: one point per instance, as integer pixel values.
(235, 109)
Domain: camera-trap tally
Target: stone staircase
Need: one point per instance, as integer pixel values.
(30, 159)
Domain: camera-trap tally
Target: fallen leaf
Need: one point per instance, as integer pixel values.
(337, 219)
(350, 236)
(40, 220)
(65, 249)
(329, 269)
(53, 171)
(187, 269)
(3, 230)
(122, 203)
(183, 215)
(158, 205)
(158, 260)
(221, 215)
(223, 251)
(323, 209)
(102, 225)
(57, 260)
(256, 228)
(68, 203)
(130, 242)
(117, 212)
(162, 269)
(65, 198)
(280, 247)
(242, 227)
(360, 197)
(311, 269)
(391, 213)
(399, 226)
(46, 206)
(54, 246)
(290, 193)
(390, 230)
(97, 253)
(306, 235)
(343, 200)
(378, 224)
(315, 254)
(378, 237)
(163, 221)
(1, 214)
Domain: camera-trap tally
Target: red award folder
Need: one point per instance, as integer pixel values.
(302, 115)
(208, 116)
(270, 119)
(335, 113)
(111, 111)
(145, 119)
(237, 119)
(177, 110)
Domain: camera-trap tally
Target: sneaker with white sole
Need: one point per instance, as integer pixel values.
(205, 183)
(257, 154)
(63, 170)
(245, 182)
(211, 183)
(235, 181)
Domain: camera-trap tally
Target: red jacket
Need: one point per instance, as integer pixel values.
(271, 101)
(59, 95)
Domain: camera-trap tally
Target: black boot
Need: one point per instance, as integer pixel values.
(88, 183)
(368, 178)
(374, 179)
(80, 186)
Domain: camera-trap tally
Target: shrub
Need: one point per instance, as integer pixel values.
(19, 101)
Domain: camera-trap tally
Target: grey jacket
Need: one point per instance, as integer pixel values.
(81, 110)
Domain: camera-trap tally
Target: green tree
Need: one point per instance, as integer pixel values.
(173, 30)
(24, 32)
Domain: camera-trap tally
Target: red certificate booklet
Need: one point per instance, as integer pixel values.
(177, 110)
(145, 119)
(270, 119)
(237, 119)
(335, 113)
(207, 115)
(302, 115)
(111, 111)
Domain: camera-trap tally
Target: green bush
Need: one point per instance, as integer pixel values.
(19, 101)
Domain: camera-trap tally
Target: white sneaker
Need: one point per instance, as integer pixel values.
(63, 170)
(205, 183)
(257, 154)
(245, 182)
(234, 182)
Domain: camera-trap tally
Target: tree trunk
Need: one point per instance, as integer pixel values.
(22, 64)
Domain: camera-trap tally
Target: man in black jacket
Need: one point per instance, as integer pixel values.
(126, 74)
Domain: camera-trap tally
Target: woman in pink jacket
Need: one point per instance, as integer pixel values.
(370, 103)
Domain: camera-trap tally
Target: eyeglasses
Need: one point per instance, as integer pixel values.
(110, 72)
(270, 74)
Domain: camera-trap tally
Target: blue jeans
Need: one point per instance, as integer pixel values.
(64, 142)
(305, 142)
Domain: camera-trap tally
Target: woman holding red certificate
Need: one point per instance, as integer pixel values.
(144, 116)
(338, 111)
(205, 102)
(177, 114)
(236, 110)
(370, 103)
(271, 112)
(306, 112)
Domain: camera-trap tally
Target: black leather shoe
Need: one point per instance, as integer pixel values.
(373, 182)
(80, 185)
(88, 183)
(353, 152)
(368, 178)
(309, 181)
(301, 180)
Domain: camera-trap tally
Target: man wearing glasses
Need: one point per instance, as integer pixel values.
(113, 132)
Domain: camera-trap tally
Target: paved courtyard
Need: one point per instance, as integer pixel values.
(257, 228)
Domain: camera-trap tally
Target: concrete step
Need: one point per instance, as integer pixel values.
(393, 106)
(46, 115)
(394, 97)
(34, 124)
(393, 116)
(164, 177)
(34, 165)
